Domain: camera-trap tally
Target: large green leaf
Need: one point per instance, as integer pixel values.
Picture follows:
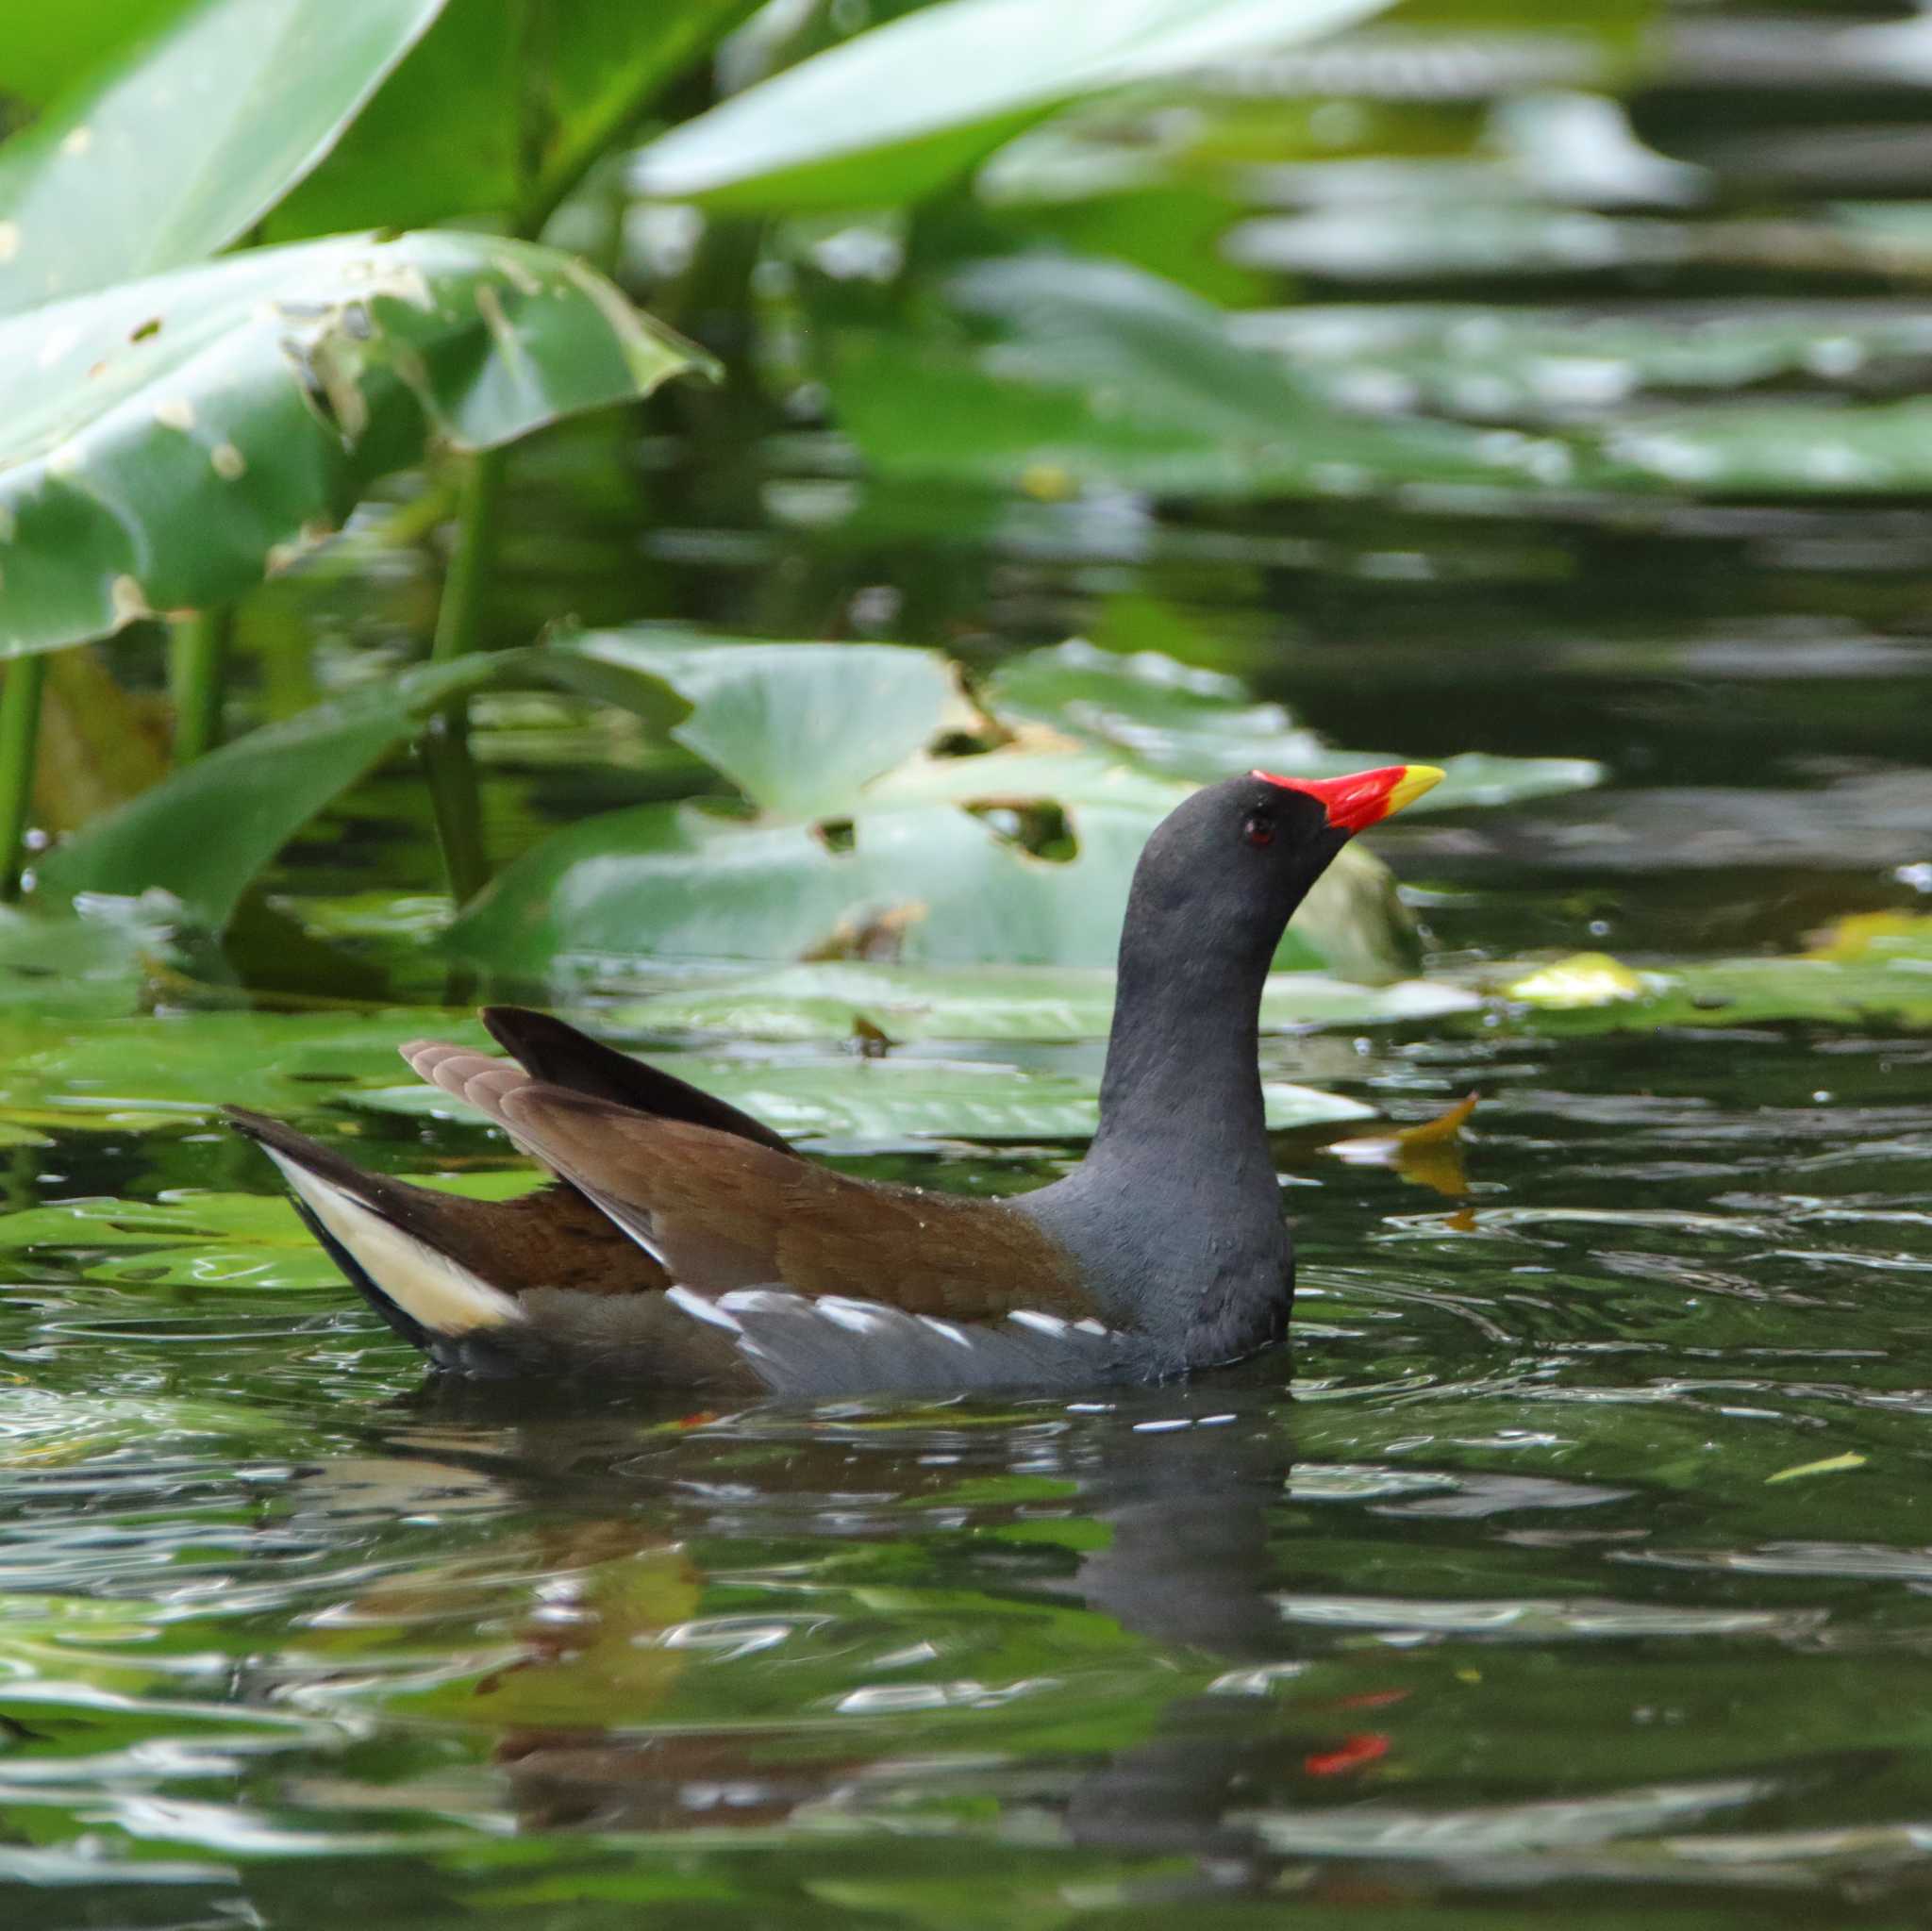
(931, 869)
(164, 441)
(829, 1001)
(45, 50)
(203, 834)
(798, 727)
(1201, 725)
(932, 883)
(499, 108)
(1085, 373)
(187, 141)
(885, 1102)
(892, 113)
(927, 884)
(923, 861)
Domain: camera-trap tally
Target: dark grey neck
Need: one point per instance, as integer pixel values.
(1182, 1069)
(1175, 1215)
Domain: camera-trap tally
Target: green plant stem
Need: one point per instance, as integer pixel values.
(551, 184)
(197, 673)
(453, 790)
(19, 729)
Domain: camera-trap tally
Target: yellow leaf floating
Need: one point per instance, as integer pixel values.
(1049, 482)
(1585, 979)
(1863, 933)
(1444, 1127)
(1429, 1155)
(1831, 1465)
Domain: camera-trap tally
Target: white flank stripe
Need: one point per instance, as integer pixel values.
(759, 1301)
(1040, 1324)
(427, 1285)
(946, 1328)
(1090, 1326)
(701, 1309)
(854, 1316)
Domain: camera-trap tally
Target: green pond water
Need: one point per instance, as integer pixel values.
(1576, 1559)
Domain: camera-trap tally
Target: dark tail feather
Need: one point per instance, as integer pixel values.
(550, 1050)
(324, 1161)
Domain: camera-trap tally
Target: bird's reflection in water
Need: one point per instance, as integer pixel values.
(1170, 1492)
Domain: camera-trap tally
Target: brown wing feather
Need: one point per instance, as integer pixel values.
(723, 1212)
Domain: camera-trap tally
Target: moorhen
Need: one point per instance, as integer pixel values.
(685, 1244)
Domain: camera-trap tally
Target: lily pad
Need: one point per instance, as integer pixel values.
(1777, 449)
(926, 884)
(932, 884)
(778, 719)
(193, 1239)
(70, 966)
(167, 441)
(921, 863)
(1874, 970)
(182, 1067)
(891, 1101)
(1170, 717)
(906, 1003)
(203, 1240)
(1504, 363)
(1063, 374)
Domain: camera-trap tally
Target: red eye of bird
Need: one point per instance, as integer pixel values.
(1259, 830)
